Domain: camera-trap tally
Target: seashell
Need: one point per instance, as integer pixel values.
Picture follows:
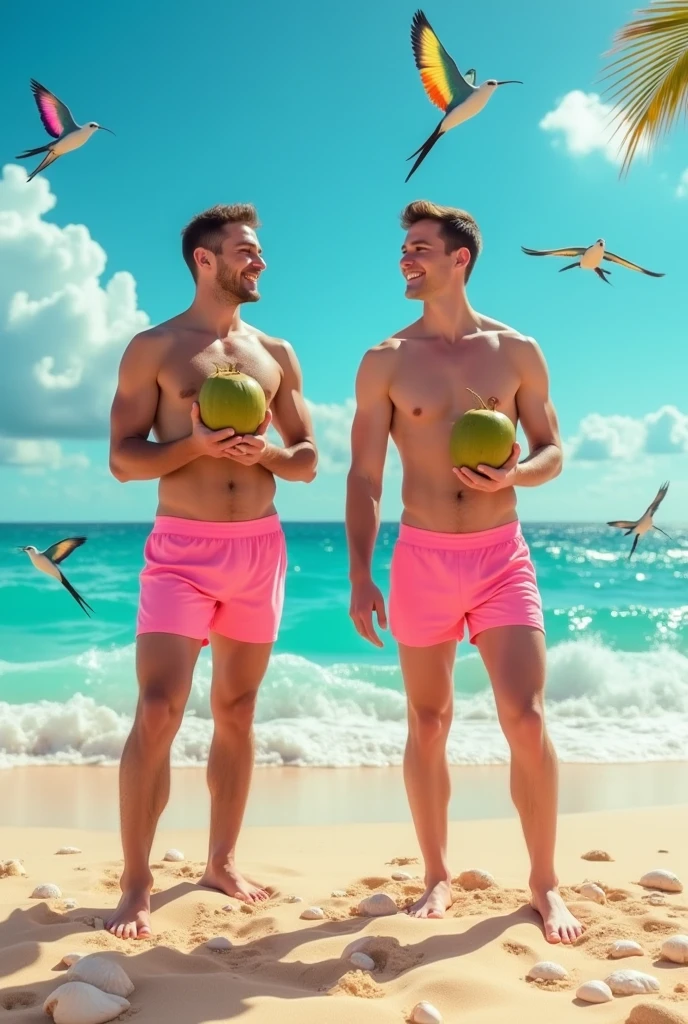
(425, 1013)
(11, 867)
(78, 1003)
(666, 881)
(626, 947)
(632, 983)
(590, 891)
(595, 992)
(401, 876)
(294, 899)
(313, 914)
(476, 879)
(219, 944)
(229, 908)
(358, 946)
(596, 855)
(652, 1013)
(103, 973)
(547, 970)
(362, 960)
(175, 855)
(378, 905)
(338, 893)
(46, 891)
(67, 850)
(655, 900)
(675, 948)
(71, 958)
(70, 904)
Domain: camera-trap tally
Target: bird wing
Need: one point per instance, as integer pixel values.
(470, 76)
(56, 117)
(58, 552)
(443, 82)
(659, 498)
(623, 524)
(573, 250)
(613, 258)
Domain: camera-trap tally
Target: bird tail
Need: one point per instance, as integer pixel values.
(424, 149)
(32, 152)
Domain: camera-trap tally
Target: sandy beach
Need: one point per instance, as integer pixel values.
(471, 966)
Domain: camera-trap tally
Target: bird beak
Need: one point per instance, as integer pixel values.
(511, 81)
(21, 549)
(102, 129)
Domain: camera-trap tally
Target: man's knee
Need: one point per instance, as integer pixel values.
(523, 723)
(429, 726)
(160, 712)
(234, 712)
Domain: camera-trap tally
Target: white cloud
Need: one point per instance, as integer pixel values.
(682, 188)
(32, 456)
(587, 125)
(62, 329)
(600, 438)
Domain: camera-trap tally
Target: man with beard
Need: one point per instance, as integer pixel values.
(215, 561)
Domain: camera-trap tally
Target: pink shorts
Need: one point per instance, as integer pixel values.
(438, 580)
(227, 578)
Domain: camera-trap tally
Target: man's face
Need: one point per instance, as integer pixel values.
(239, 264)
(428, 269)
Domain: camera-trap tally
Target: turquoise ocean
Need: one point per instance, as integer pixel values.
(617, 635)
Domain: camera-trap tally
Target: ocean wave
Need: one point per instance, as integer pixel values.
(602, 706)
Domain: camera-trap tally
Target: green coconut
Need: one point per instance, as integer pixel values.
(230, 398)
(482, 437)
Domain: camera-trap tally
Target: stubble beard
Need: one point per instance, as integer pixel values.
(229, 287)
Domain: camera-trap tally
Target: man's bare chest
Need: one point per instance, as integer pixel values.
(427, 393)
(182, 376)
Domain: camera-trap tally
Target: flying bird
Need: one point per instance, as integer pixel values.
(58, 122)
(48, 561)
(591, 259)
(644, 524)
(456, 95)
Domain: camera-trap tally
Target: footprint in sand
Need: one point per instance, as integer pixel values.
(517, 949)
(18, 1000)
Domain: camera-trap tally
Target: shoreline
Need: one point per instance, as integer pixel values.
(86, 796)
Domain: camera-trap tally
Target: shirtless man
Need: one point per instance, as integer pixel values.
(460, 556)
(215, 561)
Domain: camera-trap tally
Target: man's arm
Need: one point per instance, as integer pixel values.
(538, 419)
(298, 458)
(132, 455)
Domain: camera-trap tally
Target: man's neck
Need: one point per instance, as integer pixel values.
(450, 317)
(219, 318)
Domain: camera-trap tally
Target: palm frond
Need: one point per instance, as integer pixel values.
(649, 81)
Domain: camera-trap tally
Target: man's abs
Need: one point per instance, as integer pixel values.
(217, 490)
(445, 505)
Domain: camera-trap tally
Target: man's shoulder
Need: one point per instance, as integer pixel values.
(159, 335)
(507, 334)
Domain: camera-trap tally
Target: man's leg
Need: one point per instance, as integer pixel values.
(429, 680)
(238, 670)
(514, 657)
(164, 666)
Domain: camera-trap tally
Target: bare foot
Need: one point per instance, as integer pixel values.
(231, 883)
(560, 924)
(131, 919)
(436, 899)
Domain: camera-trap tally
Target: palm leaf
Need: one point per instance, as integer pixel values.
(649, 88)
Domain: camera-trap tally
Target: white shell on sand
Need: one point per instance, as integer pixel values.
(338, 893)
(362, 960)
(378, 905)
(67, 850)
(476, 879)
(656, 900)
(104, 973)
(425, 1013)
(46, 891)
(631, 983)
(294, 899)
(175, 855)
(11, 867)
(590, 891)
(675, 948)
(595, 992)
(70, 904)
(401, 876)
(229, 908)
(547, 970)
(667, 881)
(71, 958)
(219, 944)
(358, 946)
(313, 914)
(77, 1003)
(626, 947)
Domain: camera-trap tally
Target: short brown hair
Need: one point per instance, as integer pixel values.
(205, 230)
(457, 228)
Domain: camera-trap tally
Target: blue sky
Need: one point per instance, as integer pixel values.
(309, 111)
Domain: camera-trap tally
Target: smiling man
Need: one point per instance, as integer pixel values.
(460, 559)
(215, 561)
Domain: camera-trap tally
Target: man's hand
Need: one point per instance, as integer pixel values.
(216, 443)
(366, 598)
(250, 448)
(489, 479)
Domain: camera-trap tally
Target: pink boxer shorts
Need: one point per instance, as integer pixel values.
(438, 581)
(227, 578)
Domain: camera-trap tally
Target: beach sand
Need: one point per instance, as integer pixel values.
(282, 969)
